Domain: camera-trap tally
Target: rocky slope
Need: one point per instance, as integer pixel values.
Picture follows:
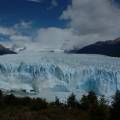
(110, 48)
(4, 50)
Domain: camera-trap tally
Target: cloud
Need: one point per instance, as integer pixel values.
(15, 30)
(14, 34)
(46, 38)
(52, 38)
(43, 38)
(23, 25)
(19, 38)
(100, 18)
(37, 1)
(54, 3)
(7, 31)
(89, 21)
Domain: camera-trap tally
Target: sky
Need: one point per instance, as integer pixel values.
(56, 24)
(43, 13)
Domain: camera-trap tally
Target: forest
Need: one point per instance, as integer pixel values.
(89, 107)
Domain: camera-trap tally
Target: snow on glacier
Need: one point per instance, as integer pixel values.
(58, 74)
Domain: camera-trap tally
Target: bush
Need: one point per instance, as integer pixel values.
(89, 101)
(10, 100)
(1, 94)
(25, 101)
(89, 108)
(57, 101)
(1, 99)
(115, 110)
(101, 110)
(38, 104)
(71, 101)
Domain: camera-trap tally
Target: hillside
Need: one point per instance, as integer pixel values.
(110, 48)
(4, 50)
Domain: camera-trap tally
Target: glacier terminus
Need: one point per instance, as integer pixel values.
(49, 74)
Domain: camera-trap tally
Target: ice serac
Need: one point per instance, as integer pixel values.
(59, 72)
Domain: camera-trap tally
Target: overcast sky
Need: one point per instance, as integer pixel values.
(55, 24)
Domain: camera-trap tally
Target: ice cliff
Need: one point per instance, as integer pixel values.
(59, 72)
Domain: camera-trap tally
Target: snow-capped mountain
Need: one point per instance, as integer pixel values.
(18, 48)
(58, 74)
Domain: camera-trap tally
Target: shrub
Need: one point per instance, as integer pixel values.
(39, 104)
(89, 101)
(115, 110)
(10, 100)
(25, 101)
(71, 101)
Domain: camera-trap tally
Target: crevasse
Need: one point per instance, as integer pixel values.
(59, 72)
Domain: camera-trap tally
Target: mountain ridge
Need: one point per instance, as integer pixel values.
(109, 48)
(4, 50)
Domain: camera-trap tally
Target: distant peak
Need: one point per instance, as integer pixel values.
(2, 47)
(118, 39)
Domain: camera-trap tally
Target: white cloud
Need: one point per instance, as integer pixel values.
(7, 31)
(14, 35)
(15, 30)
(52, 38)
(90, 18)
(54, 3)
(23, 25)
(44, 38)
(37, 1)
(90, 21)
(19, 38)
(58, 38)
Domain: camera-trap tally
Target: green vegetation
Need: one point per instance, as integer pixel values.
(90, 107)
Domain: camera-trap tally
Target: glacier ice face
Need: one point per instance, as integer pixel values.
(60, 73)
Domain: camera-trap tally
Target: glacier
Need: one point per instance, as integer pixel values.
(49, 74)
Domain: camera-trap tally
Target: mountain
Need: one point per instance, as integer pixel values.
(2, 47)
(4, 50)
(18, 48)
(110, 48)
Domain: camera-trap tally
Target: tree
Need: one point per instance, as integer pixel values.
(89, 104)
(10, 100)
(1, 98)
(102, 111)
(1, 94)
(71, 101)
(89, 101)
(25, 101)
(57, 101)
(115, 110)
(39, 104)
